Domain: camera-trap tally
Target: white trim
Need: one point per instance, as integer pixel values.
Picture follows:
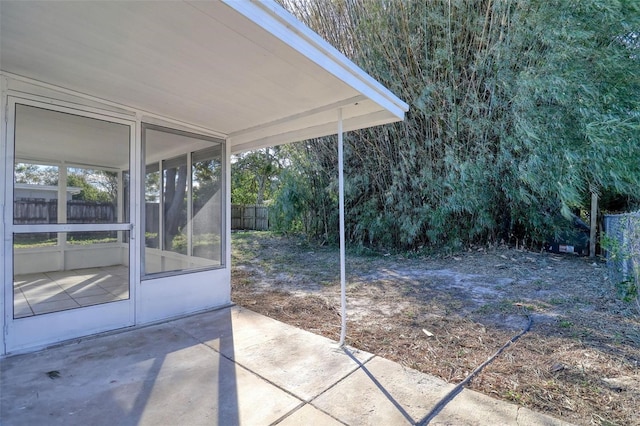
(58, 105)
(71, 227)
(59, 89)
(8, 162)
(226, 230)
(205, 264)
(5, 241)
(68, 107)
(325, 129)
(49, 162)
(265, 126)
(137, 177)
(157, 120)
(46, 93)
(128, 112)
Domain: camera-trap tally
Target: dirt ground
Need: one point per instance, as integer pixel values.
(446, 315)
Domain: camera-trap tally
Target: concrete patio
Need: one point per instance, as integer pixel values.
(230, 367)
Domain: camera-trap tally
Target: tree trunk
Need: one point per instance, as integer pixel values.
(175, 190)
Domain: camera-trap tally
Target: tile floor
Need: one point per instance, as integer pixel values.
(47, 292)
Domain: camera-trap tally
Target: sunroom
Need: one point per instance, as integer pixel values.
(118, 123)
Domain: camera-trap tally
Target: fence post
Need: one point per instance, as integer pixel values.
(594, 224)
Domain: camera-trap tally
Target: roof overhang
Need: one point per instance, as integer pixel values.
(248, 70)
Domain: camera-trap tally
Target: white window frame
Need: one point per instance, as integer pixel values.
(144, 276)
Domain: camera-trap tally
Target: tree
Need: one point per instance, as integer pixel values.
(306, 198)
(95, 185)
(206, 181)
(252, 175)
(35, 174)
(580, 101)
(175, 188)
(518, 110)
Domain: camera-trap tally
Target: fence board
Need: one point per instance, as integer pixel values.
(249, 217)
(28, 211)
(38, 211)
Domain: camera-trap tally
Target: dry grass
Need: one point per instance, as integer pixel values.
(580, 361)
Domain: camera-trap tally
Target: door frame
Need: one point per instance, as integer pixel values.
(36, 331)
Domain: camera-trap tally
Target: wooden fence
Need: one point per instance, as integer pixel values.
(32, 211)
(254, 217)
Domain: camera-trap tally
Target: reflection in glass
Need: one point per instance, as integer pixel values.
(152, 206)
(35, 194)
(41, 239)
(94, 198)
(68, 170)
(59, 190)
(183, 201)
(207, 208)
(92, 237)
(174, 178)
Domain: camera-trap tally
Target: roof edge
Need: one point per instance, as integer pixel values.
(283, 24)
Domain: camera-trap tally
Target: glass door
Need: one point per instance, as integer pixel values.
(71, 230)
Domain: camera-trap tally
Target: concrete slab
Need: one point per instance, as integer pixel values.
(473, 408)
(223, 394)
(309, 415)
(229, 367)
(311, 367)
(383, 392)
(260, 344)
(232, 330)
(155, 375)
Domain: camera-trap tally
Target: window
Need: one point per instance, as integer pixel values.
(184, 202)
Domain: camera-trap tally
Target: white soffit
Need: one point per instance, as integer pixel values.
(246, 69)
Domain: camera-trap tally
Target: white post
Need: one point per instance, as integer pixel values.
(343, 283)
(62, 213)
